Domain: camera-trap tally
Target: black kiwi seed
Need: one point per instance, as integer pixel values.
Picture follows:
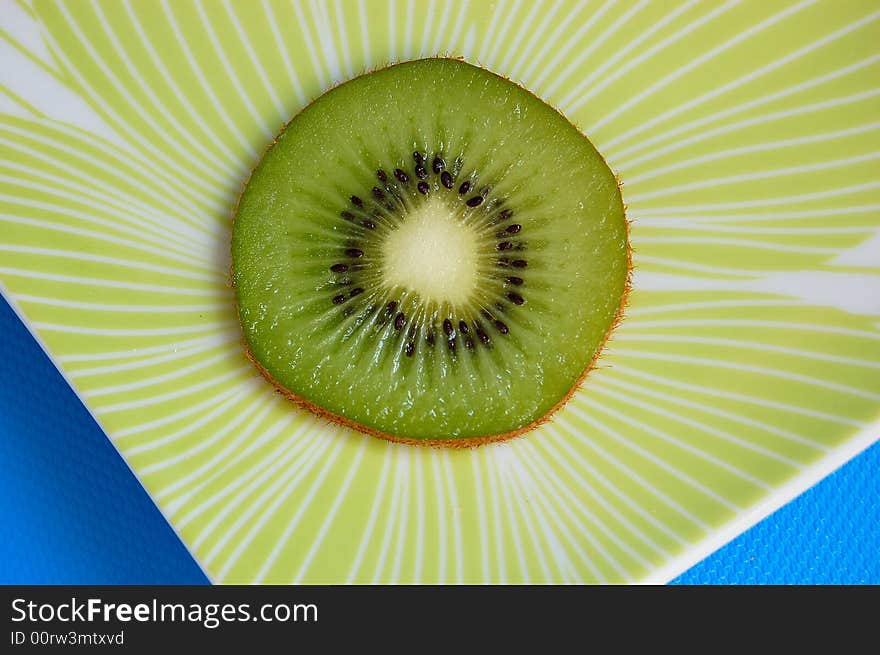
(399, 320)
(355, 292)
(464, 188)
(504, 245)
(515, 280)
(370, 225)
(447, 327)
(419, 157)
(354, 252)
(423, 188)
(339, 268)
(339, 299)
(438, 164)
(476, 201)
(446, 179)
(452, 344)
(430, 337)
(421, 172)
(357, 202)
(515, 298)
(400, 175)
(469, 343)
(482, 336)
(504, 215)
(383, 177)
(463, 327)
(410, 349)
(347, 216)
(520, 263)
(378, 194)
(513, 229)
(390, 307)
(502, 327)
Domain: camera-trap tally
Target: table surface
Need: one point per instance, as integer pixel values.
(75, 514)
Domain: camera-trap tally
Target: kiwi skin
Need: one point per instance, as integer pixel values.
(453, 444)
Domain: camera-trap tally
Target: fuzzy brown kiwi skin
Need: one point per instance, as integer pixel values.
(451, 443)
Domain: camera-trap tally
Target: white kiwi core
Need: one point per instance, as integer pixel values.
(433, 253)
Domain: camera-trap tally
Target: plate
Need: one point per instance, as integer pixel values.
(747, 138)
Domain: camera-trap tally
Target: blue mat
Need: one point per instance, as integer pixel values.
(828, 535)
(73, 513)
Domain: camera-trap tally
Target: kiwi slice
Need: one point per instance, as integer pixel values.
(431, 254)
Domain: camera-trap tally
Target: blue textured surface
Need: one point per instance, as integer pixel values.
(73, 513)
(828, 535)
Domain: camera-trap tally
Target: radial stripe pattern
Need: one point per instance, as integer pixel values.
(746, 136)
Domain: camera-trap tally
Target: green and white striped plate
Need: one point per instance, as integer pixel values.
(747, 136)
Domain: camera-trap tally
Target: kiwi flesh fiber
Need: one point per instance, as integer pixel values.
(429, 253)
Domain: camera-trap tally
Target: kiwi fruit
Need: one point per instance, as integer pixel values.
(429, 253)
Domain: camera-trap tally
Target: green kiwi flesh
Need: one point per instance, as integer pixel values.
(429, 253)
